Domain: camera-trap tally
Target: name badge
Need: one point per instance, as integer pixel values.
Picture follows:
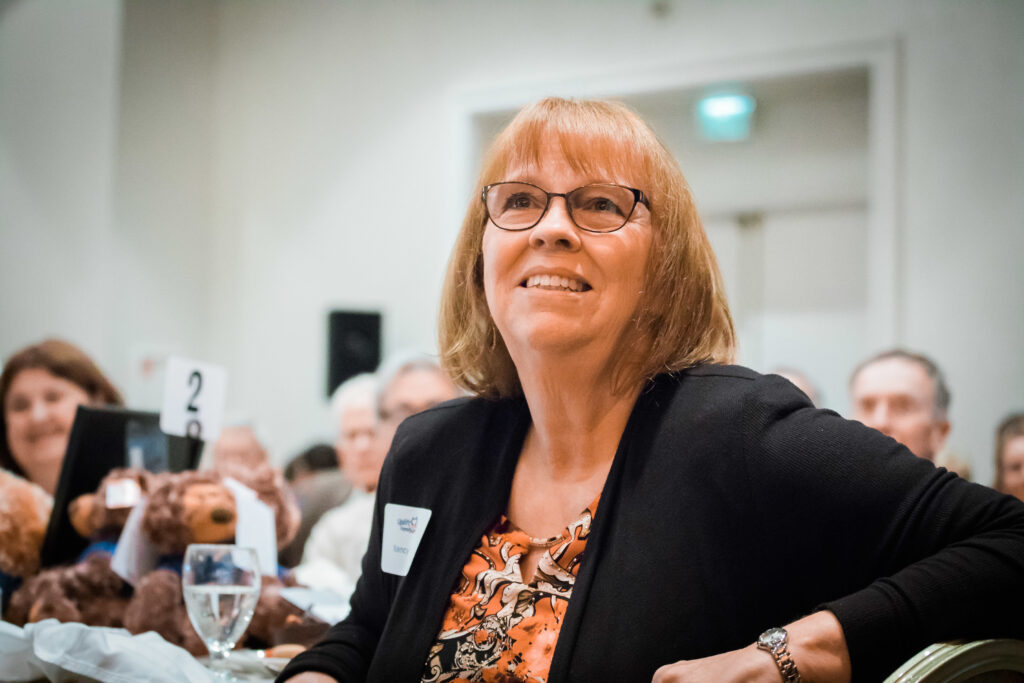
(403, 528)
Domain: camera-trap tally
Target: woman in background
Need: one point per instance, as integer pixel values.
(1010, 456)
(41, 387)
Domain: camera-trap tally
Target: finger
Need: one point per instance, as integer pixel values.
(670, 673)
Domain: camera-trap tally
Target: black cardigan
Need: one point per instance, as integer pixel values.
(732, 506)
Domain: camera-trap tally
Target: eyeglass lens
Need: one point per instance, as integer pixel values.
(601, 208)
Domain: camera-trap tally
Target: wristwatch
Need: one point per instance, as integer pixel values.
(776, 642)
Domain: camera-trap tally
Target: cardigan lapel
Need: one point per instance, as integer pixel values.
(611, 498)
(461, 515)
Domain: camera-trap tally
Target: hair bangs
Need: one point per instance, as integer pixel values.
(600, 140)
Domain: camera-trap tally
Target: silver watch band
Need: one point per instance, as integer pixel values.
(775, 641)
(787, 667)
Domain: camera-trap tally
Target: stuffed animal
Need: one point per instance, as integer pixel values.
(24, 513)
(88, 591)
(197, 507)
(101, 516)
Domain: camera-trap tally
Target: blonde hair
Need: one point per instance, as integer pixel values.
(683, 318)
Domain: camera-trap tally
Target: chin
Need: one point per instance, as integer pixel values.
(555, 336)
(48, 453)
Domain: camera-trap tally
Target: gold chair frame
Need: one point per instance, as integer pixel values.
(999, 660)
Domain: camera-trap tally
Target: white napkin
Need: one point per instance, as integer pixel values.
(68, 652)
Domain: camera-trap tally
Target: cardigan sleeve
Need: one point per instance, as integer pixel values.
(348, 647)
(903, 553)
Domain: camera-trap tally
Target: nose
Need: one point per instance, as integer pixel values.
(880, 419)
(39, 411)
(362, 443)
(556, 229)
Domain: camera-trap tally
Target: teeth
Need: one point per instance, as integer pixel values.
(555, 282)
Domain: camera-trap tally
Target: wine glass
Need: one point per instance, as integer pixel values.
(221, 585)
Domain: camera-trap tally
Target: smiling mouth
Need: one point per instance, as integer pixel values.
(556, 283)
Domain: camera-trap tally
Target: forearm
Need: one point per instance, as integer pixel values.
(818, 647)
(816, 644)
(310, 677)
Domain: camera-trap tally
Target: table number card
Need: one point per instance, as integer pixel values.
(193, 399)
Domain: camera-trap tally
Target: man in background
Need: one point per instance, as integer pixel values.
(407, 385)
(316, 480)
(904, 395)
(336, 542)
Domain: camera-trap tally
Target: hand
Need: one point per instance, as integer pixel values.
(739, 666)
(310, 677)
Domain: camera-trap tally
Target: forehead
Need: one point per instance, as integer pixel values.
(893, 377)
(36, 378)
(417, 385)
(1014, 450)
(357, 416)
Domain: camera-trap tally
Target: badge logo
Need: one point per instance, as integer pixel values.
(404, 526)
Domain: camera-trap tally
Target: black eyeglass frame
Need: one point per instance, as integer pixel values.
(638, 198)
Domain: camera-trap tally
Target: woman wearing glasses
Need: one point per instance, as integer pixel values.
(619, 504)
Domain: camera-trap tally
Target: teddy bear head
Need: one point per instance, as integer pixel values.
(105, 512)
(24, 514)
(189, 507)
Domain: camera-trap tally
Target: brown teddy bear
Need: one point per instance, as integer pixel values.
(197, 507)
(88, 591)
(24, 513)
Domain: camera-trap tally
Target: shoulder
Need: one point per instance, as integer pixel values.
(460, 419)
(463, 434)
(730, 392)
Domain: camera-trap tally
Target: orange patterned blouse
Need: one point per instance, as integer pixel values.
(498, 629)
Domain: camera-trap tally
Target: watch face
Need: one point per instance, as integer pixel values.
(772, 638)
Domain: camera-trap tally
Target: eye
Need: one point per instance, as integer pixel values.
(17, 404)
(520, 201)
(901, 405)
(603, 205)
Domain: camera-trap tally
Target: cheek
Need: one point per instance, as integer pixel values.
(64, 412)
(497, 256)
(16, 424)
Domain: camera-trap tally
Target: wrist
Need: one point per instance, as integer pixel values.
(818, 646)
(775, 642)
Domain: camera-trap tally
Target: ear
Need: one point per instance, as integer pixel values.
(940, 432)
(80, 512)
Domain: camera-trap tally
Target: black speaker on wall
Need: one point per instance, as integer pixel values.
(353, 345)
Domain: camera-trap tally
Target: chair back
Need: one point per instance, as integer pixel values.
(978, 661)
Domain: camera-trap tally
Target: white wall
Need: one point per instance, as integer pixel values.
(163, 228)
(329, 153)
(58, 123)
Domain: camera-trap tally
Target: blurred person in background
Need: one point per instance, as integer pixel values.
(1010, 456)
(904, 395)
(41, 387)
(336, 542)
(316, 478)
(407, 385)
(238, 447)
(318, 458)
(411, 383)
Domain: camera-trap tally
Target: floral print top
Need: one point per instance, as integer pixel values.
(497, 628)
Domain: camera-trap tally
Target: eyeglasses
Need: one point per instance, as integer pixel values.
(595, 208)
